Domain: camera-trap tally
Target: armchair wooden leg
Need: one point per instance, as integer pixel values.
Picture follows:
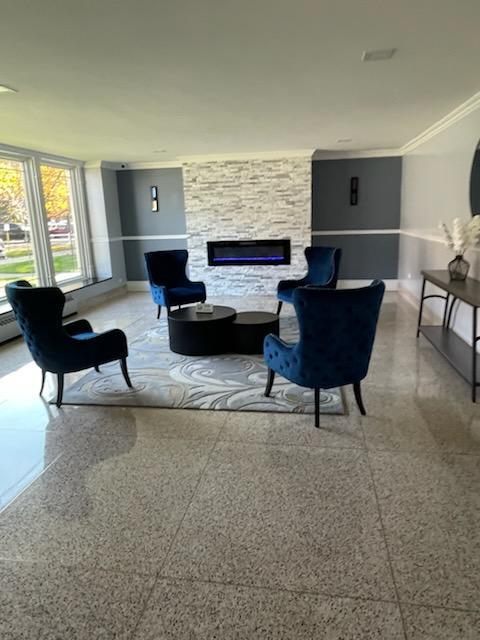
(279, 308)
(43, 381)
(97, 368)
(59, 389)
(123, 366)
(159, 312)
(358, 397)
(317, 408)
(270, 379)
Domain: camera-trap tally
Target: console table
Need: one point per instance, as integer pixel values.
(462, 356)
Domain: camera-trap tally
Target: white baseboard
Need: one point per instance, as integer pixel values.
(429, 316)
(138, 285)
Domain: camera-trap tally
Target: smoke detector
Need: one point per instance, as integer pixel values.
(376, 55)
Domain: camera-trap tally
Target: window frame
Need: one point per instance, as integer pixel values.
(39, 236)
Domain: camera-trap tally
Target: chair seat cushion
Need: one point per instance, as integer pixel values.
(183, 295)
(286, 295)
(85, 336)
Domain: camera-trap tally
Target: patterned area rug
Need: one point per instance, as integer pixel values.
(164, 379)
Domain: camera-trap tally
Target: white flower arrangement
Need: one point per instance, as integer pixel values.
(465, 233)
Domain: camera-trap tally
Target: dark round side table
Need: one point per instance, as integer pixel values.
(200, 334)
(249, 330)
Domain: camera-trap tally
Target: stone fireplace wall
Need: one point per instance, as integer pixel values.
(247, 199)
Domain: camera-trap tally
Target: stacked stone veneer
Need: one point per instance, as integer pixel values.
(248, 199)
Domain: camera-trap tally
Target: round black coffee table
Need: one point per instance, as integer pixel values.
(249, 330)
(200, 334)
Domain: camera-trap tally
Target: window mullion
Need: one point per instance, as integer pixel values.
(40, 237)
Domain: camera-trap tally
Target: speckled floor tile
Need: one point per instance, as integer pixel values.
(293, 517)
(64, 603)
(430, 507)
(422, 623)
(144, 422)
(202, 611)
(346, 619)
(24, 455)
(97, 524)
(414, 422)
(292, 429)
(110, 502)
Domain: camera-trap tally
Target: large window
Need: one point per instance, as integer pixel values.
(43, 227)
(16, 251)
(62, 232)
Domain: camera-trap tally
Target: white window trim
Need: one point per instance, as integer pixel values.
(42, 253)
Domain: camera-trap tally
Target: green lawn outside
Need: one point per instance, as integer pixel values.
(61, 264)
(19, 252)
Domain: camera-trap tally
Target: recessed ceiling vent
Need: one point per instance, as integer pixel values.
(376, 55)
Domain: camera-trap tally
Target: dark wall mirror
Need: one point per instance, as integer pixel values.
(475, 183)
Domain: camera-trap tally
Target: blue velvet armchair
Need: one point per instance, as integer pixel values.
(323, 264)
(61, 348)
(169, 283)
(337, 330)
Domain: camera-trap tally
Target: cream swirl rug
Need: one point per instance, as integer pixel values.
(164, 379)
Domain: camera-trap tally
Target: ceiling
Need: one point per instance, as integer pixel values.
(144, 80)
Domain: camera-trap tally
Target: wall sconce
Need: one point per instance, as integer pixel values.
(154, 198)
(353, 191)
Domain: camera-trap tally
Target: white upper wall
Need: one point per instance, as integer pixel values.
(435, 187)
(436, 176)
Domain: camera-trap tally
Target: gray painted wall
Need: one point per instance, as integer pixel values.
(135, 250)
(136, 213)
(369, 255)
(379, 193)
(104, 224)
(364, 256)
(138, 219)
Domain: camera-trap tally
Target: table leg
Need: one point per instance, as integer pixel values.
(444, 322)
(454, 300)
(474, 354)
(421, 308)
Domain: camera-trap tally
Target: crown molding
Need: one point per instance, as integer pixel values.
(166, 164)
(217, 157)
(253, 155)
(321, 154)
(457, 114)
(103, 164)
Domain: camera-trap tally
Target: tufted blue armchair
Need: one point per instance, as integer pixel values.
(169, 283)
(61, 348)
(323, 264)
(337, 330)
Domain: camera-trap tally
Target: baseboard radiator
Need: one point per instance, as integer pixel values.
(9, 327)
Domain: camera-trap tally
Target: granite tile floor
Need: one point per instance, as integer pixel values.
(159, 523)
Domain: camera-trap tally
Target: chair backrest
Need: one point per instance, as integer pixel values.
(38, 311)
(337, 330)
(167, 268)
(323, 264)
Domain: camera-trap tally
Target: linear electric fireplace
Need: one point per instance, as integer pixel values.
(243, 252)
